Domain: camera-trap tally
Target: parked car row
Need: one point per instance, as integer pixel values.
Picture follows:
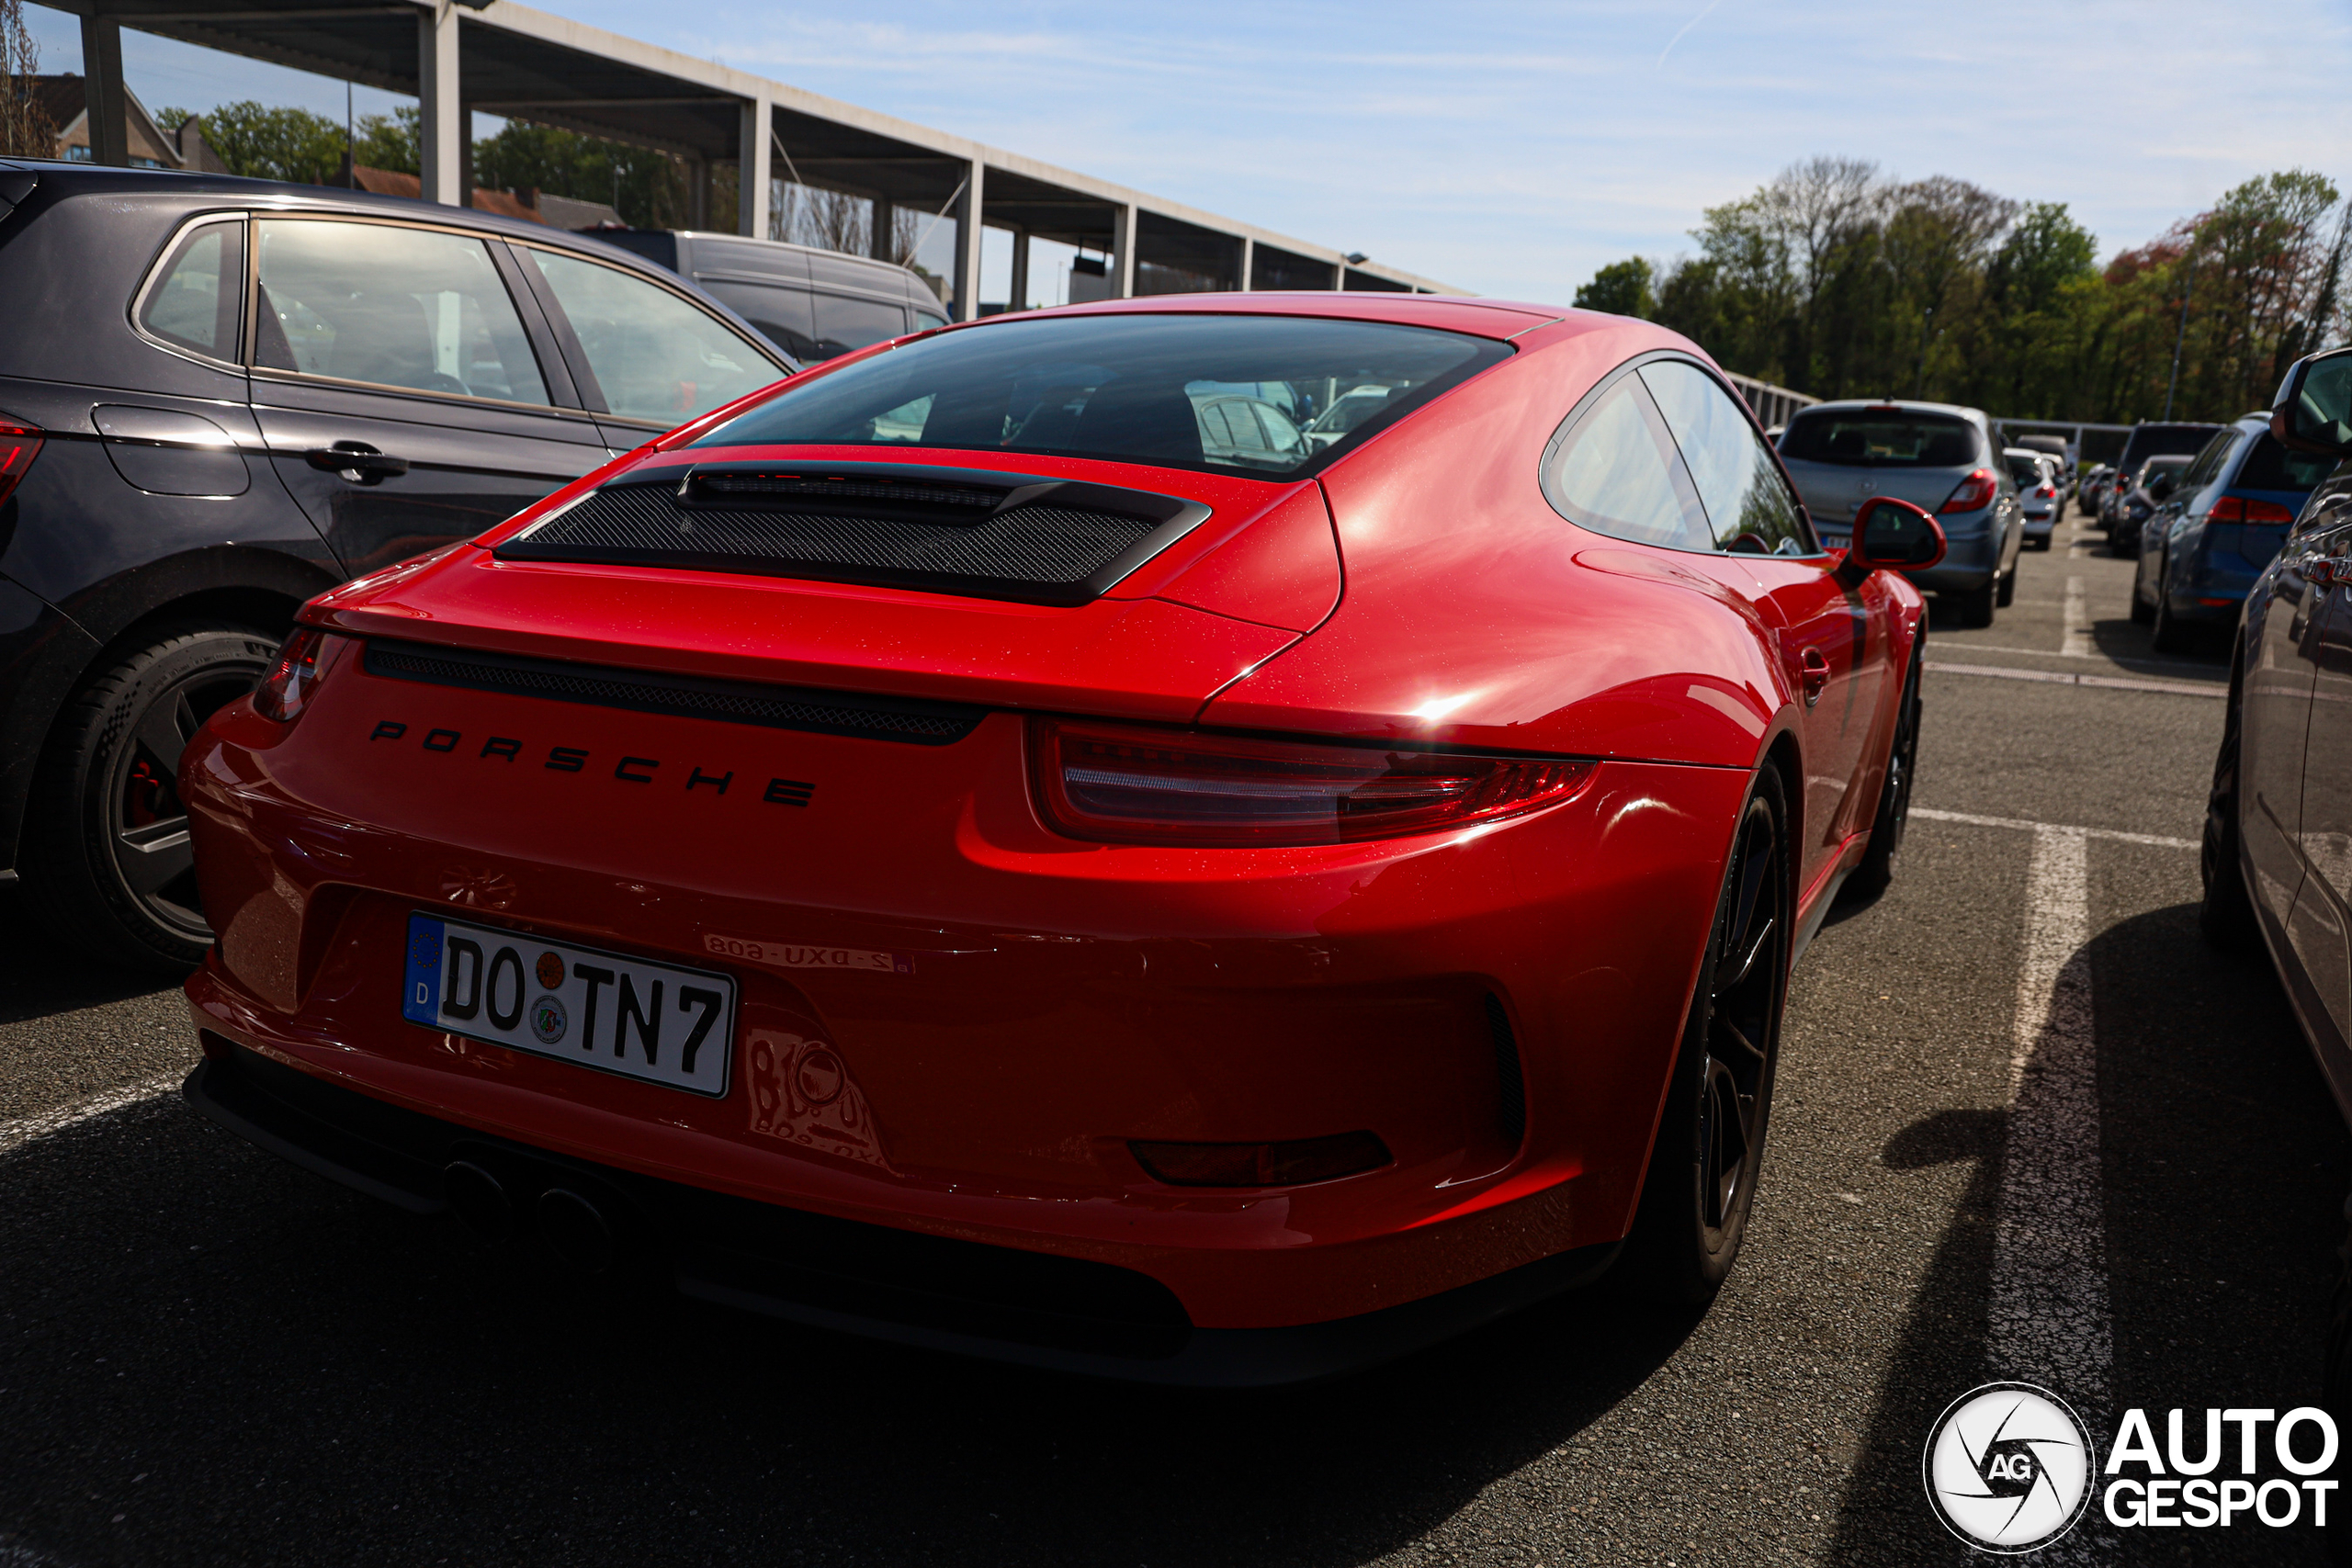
(236, 394)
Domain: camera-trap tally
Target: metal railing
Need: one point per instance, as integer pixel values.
(1772, 404)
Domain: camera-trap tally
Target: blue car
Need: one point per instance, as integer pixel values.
(2222, 523)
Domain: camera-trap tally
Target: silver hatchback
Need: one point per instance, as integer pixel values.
(1845, 455)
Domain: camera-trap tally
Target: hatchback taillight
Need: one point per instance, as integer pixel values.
(285, 690)
(1976, 493)
(19, 445)
(1131, 784)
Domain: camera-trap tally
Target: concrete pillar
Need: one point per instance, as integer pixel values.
(969, 205)
(1123, 251)
(755, 161)
(881, 233)
(1018, 300)
(441, 130)
(102, 79)
(1248, 259)
(1339, 277)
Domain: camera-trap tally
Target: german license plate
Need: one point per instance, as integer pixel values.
(654, 1022)
(1834, 539)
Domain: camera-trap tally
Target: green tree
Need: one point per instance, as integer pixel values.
(266, 143)
(648, 187)
(387, 140)
(1621, 288)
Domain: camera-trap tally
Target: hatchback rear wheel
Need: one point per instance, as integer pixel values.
(108, 859)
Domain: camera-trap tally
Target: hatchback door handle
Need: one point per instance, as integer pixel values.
(357, 461)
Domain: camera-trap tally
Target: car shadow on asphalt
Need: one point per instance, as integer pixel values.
(2126, 642)
(40, 974)
(2225, 1169)
(209, 1357)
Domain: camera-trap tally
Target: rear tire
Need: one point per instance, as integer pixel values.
(1879, 861)
(2166, 634)
(2009, 590)
(1701, 1187)
(107, 852)
(2142, 612)
(2226, 917)
(1976, 606)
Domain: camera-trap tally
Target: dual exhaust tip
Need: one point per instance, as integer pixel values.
(578, 1228)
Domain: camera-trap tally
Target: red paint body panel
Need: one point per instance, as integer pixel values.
(1060, 998)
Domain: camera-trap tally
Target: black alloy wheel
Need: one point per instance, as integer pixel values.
(1701, 1187)
(2165, 632)
(1894, 816)
(109, 858)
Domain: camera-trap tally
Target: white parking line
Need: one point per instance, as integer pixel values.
(2048, 1319)
(2112, 834)
(2056, 678)
(2132, 661)
(2077, 643)
(16, 1134)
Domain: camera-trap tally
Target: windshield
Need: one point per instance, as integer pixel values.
(1233, 394)
(1881, 438)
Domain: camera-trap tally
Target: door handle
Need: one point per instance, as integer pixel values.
(1814, 673)
(357, 461)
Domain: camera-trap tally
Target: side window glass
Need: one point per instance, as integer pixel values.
(197, 301)
(781, 314)
(654, 354)
(413, 308)
(844, 324)
(926, 320)
(1748, 505)
(1616, 471)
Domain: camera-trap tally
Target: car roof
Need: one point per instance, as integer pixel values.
(1909, 405)
(74, 179)
(1499, 319)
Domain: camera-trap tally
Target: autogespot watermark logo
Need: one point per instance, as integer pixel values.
(2009, 1467)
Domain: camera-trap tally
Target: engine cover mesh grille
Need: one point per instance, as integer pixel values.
(1060, 550)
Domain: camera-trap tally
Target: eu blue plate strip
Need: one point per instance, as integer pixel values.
(421, 996)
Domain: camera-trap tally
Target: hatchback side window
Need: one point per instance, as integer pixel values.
(844, 324)
(197, 300)
(1748, 505)
(419, 308)
(1616, 471)
(780, 313)
(655, 356)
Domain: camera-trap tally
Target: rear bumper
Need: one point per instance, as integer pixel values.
(1971, 560)
(935, 1292)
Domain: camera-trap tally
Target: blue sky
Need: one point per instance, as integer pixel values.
(1511, 149)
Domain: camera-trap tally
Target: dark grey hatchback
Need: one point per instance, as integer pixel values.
(219, 397)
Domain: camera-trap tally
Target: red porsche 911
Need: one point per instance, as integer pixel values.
(1213, 840)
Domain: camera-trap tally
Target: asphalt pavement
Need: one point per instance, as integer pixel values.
(208, 1356)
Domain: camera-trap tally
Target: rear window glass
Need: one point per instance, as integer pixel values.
(197, 299)
(2271, 466)
(1239, 394)
(1881, 438)
(2027, 471)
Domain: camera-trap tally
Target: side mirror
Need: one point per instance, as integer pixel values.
(2314, 409)
(1895, 536)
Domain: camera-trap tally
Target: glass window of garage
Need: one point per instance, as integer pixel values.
(1179, 390)
(1616, 471)
(656, 356)
(1893, 437)
(1748, 504)
(197, 300)
(419, 308)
